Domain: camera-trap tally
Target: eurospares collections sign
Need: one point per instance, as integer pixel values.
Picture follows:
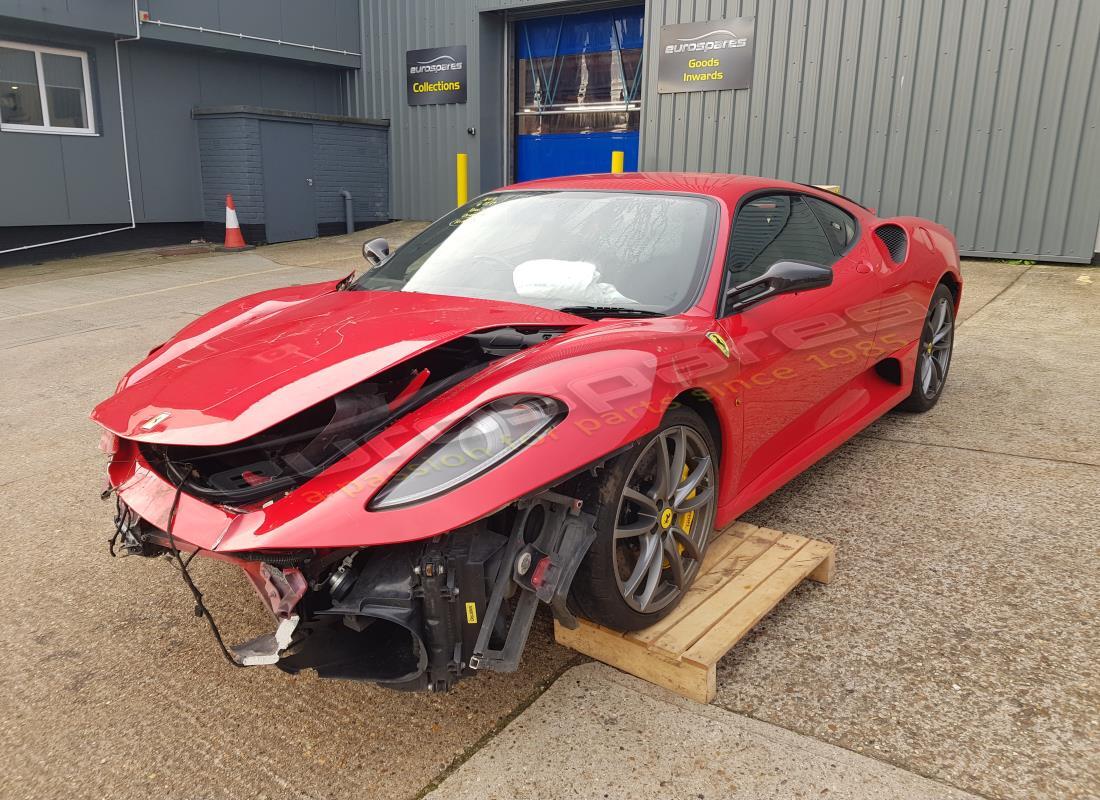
(700, 56)
(436, 75)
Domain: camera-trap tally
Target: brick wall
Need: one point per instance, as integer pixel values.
(346, 155)
(230, 160)
(356, 158)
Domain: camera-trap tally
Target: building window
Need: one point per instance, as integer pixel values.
(44, 90)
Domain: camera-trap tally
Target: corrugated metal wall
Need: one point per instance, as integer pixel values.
(423, 139)
(981, 115)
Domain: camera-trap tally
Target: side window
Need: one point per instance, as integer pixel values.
(772, 228)
(839, 225)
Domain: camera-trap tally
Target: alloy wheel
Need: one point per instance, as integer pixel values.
(935, 353)
(664, 518)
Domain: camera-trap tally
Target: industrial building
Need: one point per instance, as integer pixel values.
(139, 117)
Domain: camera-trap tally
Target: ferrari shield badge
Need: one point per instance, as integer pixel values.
(152, 422)
(719, 342)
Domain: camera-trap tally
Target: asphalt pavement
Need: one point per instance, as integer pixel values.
(955, 652)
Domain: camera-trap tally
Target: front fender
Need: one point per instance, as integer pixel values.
(613, 398)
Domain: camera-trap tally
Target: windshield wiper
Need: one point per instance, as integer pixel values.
(609, 311)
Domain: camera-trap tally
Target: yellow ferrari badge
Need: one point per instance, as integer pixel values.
(719, 342)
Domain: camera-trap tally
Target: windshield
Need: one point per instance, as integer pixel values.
(604, 251)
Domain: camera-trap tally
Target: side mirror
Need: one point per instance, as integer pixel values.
(376, 251)
(782, 277)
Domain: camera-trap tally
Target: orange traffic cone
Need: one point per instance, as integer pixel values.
(233, 238)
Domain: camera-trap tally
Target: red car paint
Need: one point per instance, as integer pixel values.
(798, 382)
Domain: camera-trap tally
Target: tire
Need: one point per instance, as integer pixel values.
(937, 341)
(635, 519)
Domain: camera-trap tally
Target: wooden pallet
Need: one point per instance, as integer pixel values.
(746, 572)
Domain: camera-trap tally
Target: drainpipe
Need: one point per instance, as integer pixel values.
(360, 77)
(349, 213)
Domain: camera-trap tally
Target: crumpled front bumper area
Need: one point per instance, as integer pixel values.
(410, 616)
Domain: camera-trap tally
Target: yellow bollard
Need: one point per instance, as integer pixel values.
(617, 157)
(461, 180)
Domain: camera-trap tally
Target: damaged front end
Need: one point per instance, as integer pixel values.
(413, 616)
(274, 462)
(350, 474)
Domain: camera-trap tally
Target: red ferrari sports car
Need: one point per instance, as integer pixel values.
(552, 394)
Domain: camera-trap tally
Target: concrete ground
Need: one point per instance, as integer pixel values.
(955, 652)
(597, 732)
(110, 686)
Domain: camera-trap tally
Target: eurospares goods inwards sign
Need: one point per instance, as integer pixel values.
(700, 56)
(436, 75)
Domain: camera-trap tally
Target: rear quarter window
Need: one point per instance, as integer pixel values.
(778, 227)
(840, 226)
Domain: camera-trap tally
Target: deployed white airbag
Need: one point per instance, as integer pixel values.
(576, 281)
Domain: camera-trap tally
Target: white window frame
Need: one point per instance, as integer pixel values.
(89, 112)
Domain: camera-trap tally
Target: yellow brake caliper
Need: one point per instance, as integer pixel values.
(688, 516)
(685, 521)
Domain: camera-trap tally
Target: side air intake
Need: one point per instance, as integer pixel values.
(894, 239)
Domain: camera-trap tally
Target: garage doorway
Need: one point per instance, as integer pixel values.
(578, 92)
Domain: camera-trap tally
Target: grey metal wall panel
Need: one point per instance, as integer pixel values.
(165, 83)
(240, 17)
(219, 86)
(347, 25)
(106, 16)
(982, 115)
(423, 139)
(37, 164)
(329, 24)
(206, 13)
(315, 22)
(68, 179)
(82, 180)
(312, 22)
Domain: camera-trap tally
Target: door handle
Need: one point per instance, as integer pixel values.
(863, 267)
(309, 181)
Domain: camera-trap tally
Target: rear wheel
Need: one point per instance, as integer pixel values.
(655, 507)
(937, 340)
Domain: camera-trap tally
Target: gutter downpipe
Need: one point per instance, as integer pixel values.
(125, 154)
(360, 79)
(349, 213)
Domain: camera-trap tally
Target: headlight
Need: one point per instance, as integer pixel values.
(484, 439)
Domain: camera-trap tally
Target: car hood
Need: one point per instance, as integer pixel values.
(233, 374)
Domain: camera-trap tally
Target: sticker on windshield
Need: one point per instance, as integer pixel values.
(476, 207)
(719, 342)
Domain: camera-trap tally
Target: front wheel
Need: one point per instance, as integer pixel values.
(937, 341)
(655, 507)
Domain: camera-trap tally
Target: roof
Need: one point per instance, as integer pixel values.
(722, 186)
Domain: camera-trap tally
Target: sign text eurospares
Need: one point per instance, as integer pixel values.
(706, 55)
(436, 75)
